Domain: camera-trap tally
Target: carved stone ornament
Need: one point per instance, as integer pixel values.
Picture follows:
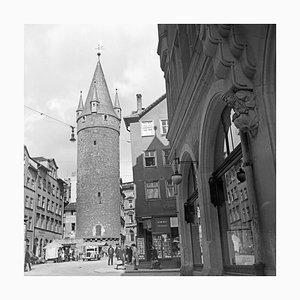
(243, 103)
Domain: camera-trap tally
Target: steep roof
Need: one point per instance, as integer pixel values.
(80, 104)
(117, 102)
(99, 84)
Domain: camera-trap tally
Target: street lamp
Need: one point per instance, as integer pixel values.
(177, 177)
(72, 139)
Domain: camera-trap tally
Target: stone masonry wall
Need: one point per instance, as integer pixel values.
(98, 172)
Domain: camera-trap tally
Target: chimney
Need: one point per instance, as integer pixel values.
(139, 102)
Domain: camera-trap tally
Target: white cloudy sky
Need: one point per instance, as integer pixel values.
(60, 61)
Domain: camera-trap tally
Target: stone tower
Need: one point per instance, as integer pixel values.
(98, 173)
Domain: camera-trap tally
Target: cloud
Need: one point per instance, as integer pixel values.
(59, 62)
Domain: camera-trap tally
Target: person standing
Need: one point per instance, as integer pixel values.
(127, 255)
(111, 252)
(27, 260)
(117, 251)
(121, 258)
(135, 256)
(154, 258)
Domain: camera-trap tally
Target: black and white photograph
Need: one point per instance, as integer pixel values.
(149, 150)
(163, 165)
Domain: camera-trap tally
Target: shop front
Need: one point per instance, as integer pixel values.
(165, 237)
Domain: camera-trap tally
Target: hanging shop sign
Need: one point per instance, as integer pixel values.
(161, 225)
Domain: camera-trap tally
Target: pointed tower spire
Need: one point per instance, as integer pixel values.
(99, 88)
(117, 107)
(80, 105)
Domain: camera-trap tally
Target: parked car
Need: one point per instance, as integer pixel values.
(91, 253)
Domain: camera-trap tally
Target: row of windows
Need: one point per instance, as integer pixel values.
(30, 183)
(29, 202)
(150, 158)
(55, 191)
(45, 222)
(29, 222)
(235, 214)
(51, 205)
(148, 128)
(153, 189)
(233, 195)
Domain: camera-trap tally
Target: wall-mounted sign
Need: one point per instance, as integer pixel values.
(161, 225)
(141, 247)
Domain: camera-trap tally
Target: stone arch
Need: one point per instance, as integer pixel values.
(209, 125)
(186, 154)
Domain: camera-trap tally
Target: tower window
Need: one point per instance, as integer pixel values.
(94, 142)
(105, 117)
(99, 197)
(83, 119)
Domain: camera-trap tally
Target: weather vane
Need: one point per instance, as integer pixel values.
(99, 48)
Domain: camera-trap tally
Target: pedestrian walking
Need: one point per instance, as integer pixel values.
(62, 255)
(27, 260)
(117, 251)
(127, 254)
(135, 256)
(130, 255)
(121, 258)
(111, 252)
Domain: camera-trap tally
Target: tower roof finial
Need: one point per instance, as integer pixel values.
(99, 48)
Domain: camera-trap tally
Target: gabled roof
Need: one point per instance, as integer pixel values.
(99, 82)
(135, 116)
(42, 160)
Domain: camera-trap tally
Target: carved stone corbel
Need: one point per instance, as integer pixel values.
(243, 103)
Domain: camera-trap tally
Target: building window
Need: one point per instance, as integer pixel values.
(44, 184)
(37, 220)
(39, 181)
(164, 127)
(245, 193)
(131, 235)
(152, 190)
(229, 198)
(149, 159)
(83, 119)
(98, 230)
(43, 202)
(73, 226)
(94, 142)
(26, 201)
(147, 128)
(53, 190)
(166, 153)
(170, 188)
(30, 223)
(31, 202)
(48, 204)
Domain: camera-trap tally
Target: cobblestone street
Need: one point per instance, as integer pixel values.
(92, 268)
